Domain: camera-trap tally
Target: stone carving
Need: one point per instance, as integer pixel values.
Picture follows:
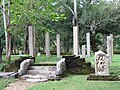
(24, 66)
(101, 64)
(61, 66)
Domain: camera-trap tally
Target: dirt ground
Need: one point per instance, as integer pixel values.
(20, 85)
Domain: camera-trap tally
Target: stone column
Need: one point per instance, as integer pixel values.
(34, 41)
(83, 51)
(31, 41)
(75, 40)
(88, 44)
(109, 48)
(58, 44)
(47, 44)
(111, 35)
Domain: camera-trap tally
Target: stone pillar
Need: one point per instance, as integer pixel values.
(88, 44)
(109, 48)
(58, 44)
(34, 41)
(31, 41)
(75, 40)
(47, 44)
(111, 35)
(83, 51)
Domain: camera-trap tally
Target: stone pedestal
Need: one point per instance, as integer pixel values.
(88, 44)
(58, 45)
(75, 40)
(31, 41)
(101, 64)
(83, 51)
(47, 44)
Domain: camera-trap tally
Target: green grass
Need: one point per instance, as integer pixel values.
(79, 82)
(4, 82)
(73, 82)
(44, 59)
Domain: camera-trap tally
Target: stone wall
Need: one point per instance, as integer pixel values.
(77, 65)
(14, 66)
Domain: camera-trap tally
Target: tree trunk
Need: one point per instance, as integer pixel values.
(1, 49)
(8, 53)
(26, 42)
(5, 22)
(93, 43)
(66, 44)
(8, 48)
(7, 27)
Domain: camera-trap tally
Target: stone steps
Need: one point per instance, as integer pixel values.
(40, 73)
(28, 76)
(45, 68)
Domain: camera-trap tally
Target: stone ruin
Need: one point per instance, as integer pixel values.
(77, 65)
(102, 62)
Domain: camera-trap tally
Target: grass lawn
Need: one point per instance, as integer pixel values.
(73, 82)
(79, 82)
(5, 82)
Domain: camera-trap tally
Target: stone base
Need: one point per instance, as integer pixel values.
(8, 75)
(103, 78)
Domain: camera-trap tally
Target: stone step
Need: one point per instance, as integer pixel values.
(8, 74)
(28, 76)
(45, 64)
(36, 80)
(41, 72)
(45, 68)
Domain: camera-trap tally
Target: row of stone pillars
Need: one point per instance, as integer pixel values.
(31, 30)
(47, 44)
(76, 43)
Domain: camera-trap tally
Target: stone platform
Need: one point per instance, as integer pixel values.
(103, 78)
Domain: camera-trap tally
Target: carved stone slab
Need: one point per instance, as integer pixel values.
(101, 64)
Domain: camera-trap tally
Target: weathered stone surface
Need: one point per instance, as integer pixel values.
(88, 44)
(101, 64)
(31, 35)
(58, 44)
(77, 65)
(24, 66)
(83, 51)
(61, 67)
(41, 72)
(28, 76)
(45, 68)
(36, 80)
(109, 47)
(8, 75)
(14, 66)
(47, 44)
(75, 40)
